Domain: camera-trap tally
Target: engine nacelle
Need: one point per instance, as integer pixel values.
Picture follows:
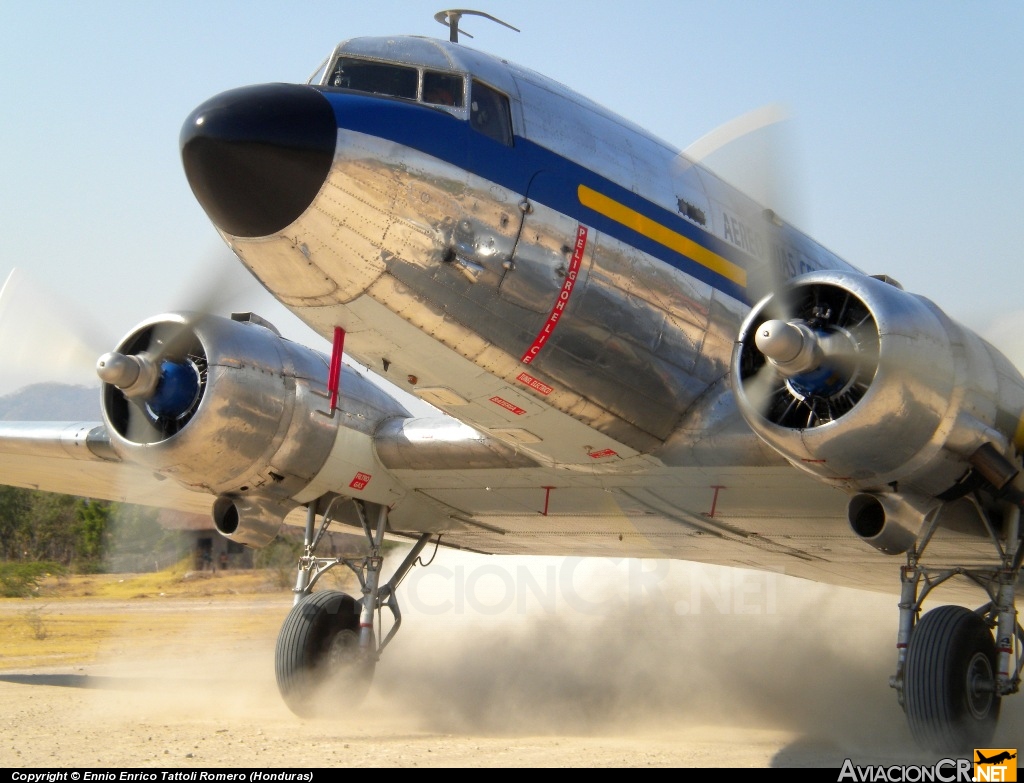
(232, 409)
(868, 387)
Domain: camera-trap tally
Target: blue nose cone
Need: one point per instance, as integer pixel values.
(256, 157)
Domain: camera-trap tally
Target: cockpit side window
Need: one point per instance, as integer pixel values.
(489, 113)
(372, 77)
(442, 89)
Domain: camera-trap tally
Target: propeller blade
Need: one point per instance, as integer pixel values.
(43, 338)
(162, 372)
(752, 153)
(763, 387)
(734, 130)
(219, 284)
(824, 356)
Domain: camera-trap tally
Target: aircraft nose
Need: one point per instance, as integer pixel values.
(257, 156)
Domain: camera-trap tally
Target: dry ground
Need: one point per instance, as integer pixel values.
(163, 671)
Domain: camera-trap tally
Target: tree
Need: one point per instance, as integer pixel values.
(50, 530)
(91, 535)
(91, 532)
(15, 511)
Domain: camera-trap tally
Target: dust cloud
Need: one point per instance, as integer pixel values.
(633, 646)
(593, 654)
(514, 646)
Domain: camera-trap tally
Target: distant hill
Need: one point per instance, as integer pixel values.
(51, 402)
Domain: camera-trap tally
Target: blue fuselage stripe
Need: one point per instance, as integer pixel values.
(443, 136)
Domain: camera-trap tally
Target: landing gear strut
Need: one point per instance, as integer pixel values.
(327, 649)
(950, 673)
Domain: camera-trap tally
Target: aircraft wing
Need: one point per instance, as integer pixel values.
(75, 458)
(768, 518)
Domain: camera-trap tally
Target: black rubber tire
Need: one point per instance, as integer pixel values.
(318, 663)
(951, 650)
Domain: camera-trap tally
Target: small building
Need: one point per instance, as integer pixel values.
(210, 550)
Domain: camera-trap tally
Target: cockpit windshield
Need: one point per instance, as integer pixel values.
(442, 89)
(399, 81)
(378, 78)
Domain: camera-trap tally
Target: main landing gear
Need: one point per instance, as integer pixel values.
(950, 672)
(327, 649)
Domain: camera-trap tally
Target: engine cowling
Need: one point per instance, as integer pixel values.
(230, 408)
(869, 387)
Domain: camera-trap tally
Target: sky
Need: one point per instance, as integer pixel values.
(903, 140)
(902, 143)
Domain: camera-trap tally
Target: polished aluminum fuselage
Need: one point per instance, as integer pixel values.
(577, 295)
(426, 232)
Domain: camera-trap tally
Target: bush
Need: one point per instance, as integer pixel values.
(20, 580)
(281, 558)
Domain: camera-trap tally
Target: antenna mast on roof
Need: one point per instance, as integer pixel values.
(450, 19)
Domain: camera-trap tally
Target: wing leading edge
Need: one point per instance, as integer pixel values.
(76, 458)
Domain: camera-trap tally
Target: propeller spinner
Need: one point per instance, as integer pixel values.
(168, 389)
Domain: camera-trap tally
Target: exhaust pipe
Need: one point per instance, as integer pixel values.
(248, 520)
(884, 522)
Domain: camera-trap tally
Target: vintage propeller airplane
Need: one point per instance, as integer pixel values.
(633, 359)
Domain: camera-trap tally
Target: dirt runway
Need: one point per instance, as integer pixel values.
(188, 682)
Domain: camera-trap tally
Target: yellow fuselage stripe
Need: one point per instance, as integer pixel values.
(663, 235)
(1018, 436)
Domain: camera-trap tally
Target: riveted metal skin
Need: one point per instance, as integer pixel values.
(260, 435)
(937, 392)
(471, 242)
(577, 291)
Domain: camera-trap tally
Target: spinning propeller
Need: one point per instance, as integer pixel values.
(154, 380)
(809, 350)
(45, 339)
(813, 364)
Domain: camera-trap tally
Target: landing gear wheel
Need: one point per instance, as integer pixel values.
(950, 681)
(318, 662)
